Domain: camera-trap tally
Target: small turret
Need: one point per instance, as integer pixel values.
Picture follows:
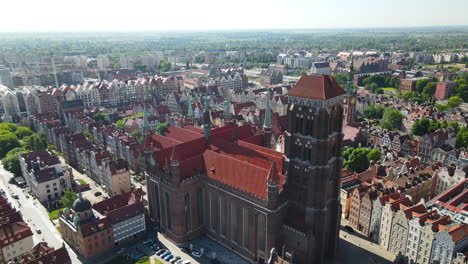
(175, 169)
(273, 186)
(190, 115)
(227, 110)
(207, 119)
(267, 123)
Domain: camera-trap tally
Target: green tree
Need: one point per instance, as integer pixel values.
(99, 117)
(11, 161)
(300, 72)
(341, 79)
(420, 84)
(356, 159)
(391, 119)
(8, 127)
(374, 155)
(374, 111)
(454, 101)
(35, 142)
(420, 127)
(87, 134)
(462, 138)
(378, 79)
(139, 66)
(68, 198)
(8, 141)
(164, 66)
(430, 88)
(455, 126)
(379, 91)
(161, 128)
(22, 132)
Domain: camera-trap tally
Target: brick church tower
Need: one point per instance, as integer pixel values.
(349, 102)
(312, 162)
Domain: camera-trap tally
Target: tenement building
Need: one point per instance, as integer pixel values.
(225, 182)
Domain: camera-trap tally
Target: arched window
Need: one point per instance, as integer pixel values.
(188, 212)
(201, 207)
(168, 212)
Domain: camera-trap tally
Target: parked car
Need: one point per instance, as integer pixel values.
(168, 257)
(121, 251)
(186, 262)
(160, 251)
(97, 193)
(349, 229)
(164, 253)
(38, 230)
(174, 260)
(15, 196)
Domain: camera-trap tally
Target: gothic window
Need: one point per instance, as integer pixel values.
(156, 197)
(168, 212)
(213, 212)
(188, 212)
(222, 209)
(261, 232)
(245, 227)
(234, 235)
(201, 207)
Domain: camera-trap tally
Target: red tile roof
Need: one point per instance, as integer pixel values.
(319, 87)
(237, 173)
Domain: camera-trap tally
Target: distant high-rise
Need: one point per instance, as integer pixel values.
(5, 77)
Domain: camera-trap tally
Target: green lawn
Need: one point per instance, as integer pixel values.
(389, 89)
(123, 260)
(55, 214)
(81, 181)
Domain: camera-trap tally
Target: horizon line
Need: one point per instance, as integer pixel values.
(233, 29)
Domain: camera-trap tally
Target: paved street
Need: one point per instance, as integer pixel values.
(34, 214)
(354, 249)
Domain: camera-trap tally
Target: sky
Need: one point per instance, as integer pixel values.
(147, 15)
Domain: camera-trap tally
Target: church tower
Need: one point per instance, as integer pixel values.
(349, 102)
(267, 123)
(312, 163)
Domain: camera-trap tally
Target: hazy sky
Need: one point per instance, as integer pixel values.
(124, 15)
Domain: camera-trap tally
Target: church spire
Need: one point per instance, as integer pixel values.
(190, 108)
(145, 118)
(206, 119)
(267, 122)
(227, 109)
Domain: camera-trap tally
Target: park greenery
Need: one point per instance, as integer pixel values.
(16, 140)
(423, 126)
(462, 138)
(68, 197)
(376, 82)
(388, 118)
(358, 159)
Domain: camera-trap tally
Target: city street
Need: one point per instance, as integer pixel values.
(34, 214)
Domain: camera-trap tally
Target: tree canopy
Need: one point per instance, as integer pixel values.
(391, 119)
(68, 198)
(374, 111)
(462, 138)
(358, 159)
